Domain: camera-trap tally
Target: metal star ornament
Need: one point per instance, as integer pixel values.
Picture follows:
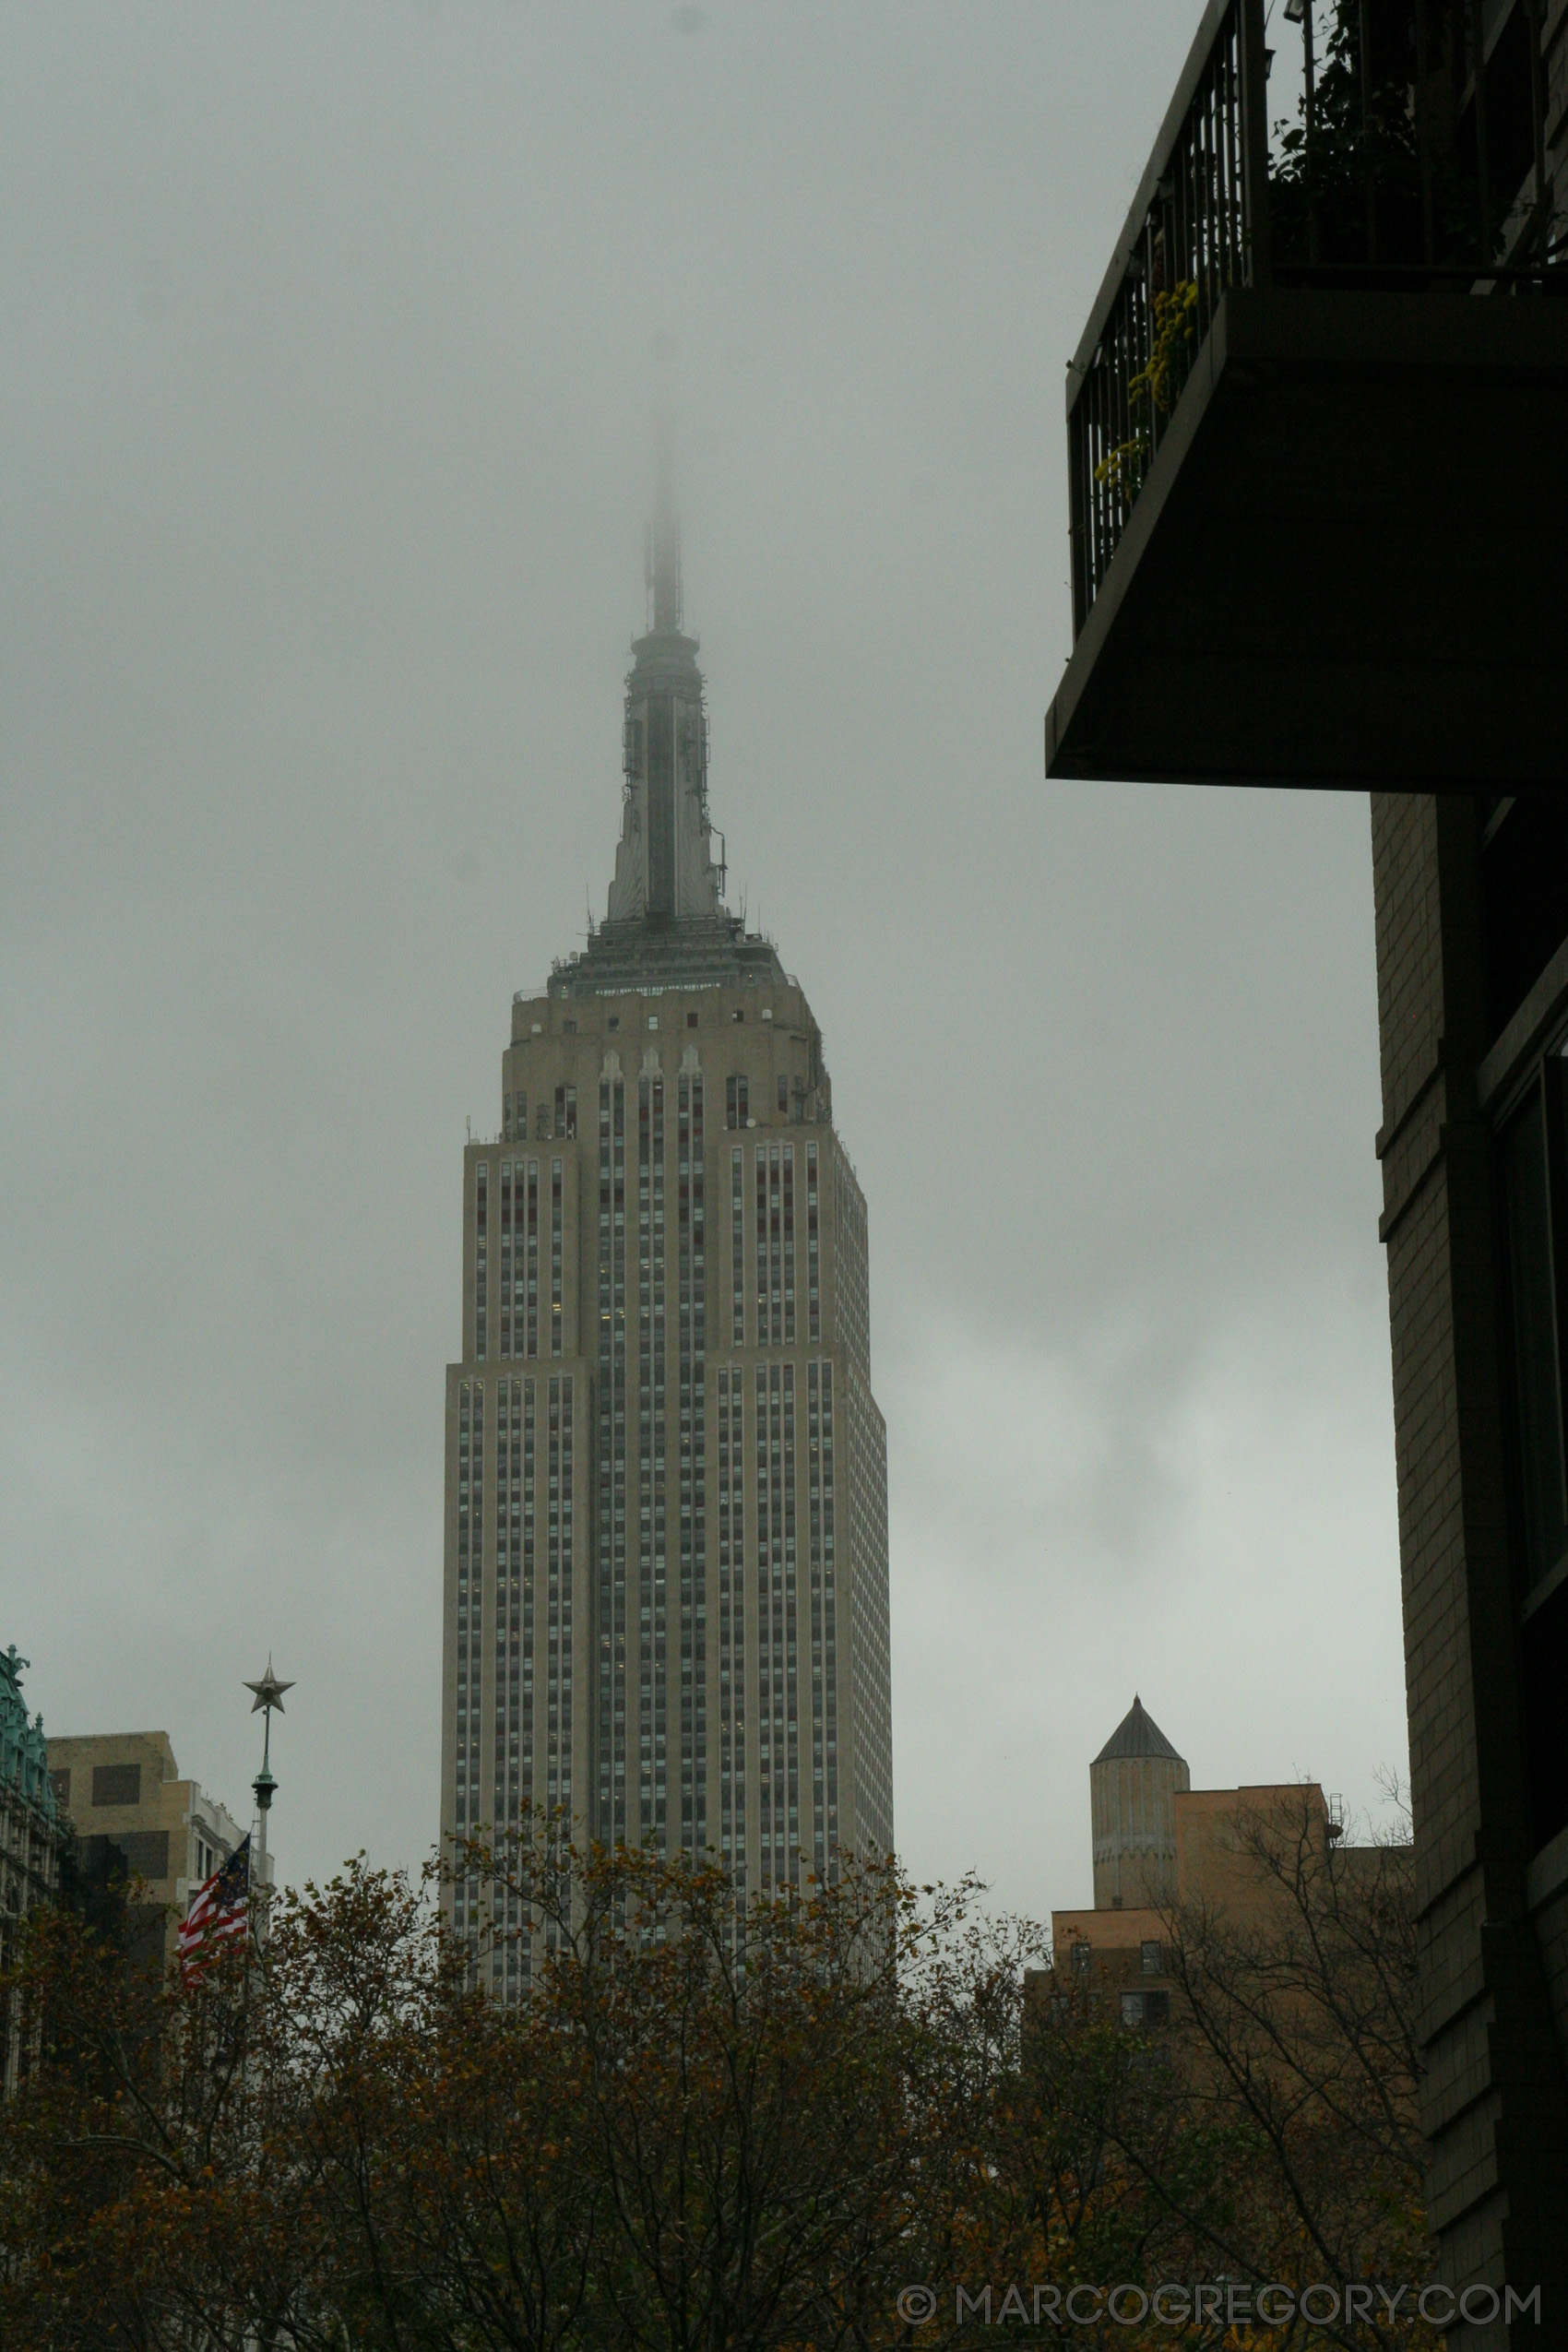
(268, 1691)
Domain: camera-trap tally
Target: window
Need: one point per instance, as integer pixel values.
(128, 1853)
(737, 1104)
(691, 1020)
(1153, 1959)
(482, 1184)
(814, 1260)
(615, 1020)
(1145, 2008)
(1527, 1187)
(1082, 1957)
(737, 1250)
(116, 1784)
(783, 1092)
(736, 1014)
(557, 1256)
(1533, 1170)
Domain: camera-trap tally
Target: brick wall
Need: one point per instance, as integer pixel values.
(1495, 2108)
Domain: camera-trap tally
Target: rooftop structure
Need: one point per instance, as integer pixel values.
(1133, 1783)
(1162, 1848)
(1136, 1735)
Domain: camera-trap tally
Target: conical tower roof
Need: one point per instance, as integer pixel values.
(1137, 1734)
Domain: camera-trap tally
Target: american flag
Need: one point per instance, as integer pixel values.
(218, 1911)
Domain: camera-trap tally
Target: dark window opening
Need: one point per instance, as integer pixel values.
(116, 1784)
(1527, 1198)
(1534, 1185)
(1545, 1678)
(783, 1094)
(135, 1853)
(1524, 897)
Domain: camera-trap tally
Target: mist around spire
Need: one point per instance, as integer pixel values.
(662, 561)
(666, 921)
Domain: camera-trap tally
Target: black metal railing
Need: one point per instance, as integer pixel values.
(1418, 160)
(1192, 233)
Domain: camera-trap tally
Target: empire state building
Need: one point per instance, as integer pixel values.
(666, 1506)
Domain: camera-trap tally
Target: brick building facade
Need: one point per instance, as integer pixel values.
(1330, 554)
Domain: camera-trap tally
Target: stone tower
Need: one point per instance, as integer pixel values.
(1133, 1785)
(666, 1518)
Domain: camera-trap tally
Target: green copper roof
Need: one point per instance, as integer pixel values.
(24, 1757)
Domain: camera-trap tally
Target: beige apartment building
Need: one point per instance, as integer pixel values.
(666, 1503)
(135, 1816)
(1161, 1845)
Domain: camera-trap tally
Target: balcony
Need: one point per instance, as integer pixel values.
(1317, 423)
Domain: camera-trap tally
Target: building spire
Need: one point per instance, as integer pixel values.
(663, 560)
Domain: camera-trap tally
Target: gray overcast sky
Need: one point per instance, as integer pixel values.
(329, 337)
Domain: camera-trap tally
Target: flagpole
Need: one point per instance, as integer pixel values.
(269, 1695)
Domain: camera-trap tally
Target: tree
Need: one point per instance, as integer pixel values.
(1270, 2132)
(696, 2130)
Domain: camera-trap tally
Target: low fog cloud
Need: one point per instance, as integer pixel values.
(330, 354)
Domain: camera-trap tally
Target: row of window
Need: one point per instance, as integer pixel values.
(558, 1119)
(612, 1022)
(514, 1726)
(517, 1232)
(653, 1759)
(823, 1620)
(1151, 1959)
(611, 1486)
(532, 1754)
(518, 1240)
(738, 1102)
(1136, 2008)
(692, 1331)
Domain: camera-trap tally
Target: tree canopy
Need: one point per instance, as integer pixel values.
(810, 2129)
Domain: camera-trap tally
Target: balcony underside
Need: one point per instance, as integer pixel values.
(1349, 563)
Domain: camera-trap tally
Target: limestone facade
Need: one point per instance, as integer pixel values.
(134, 1814)
(666, 1597)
